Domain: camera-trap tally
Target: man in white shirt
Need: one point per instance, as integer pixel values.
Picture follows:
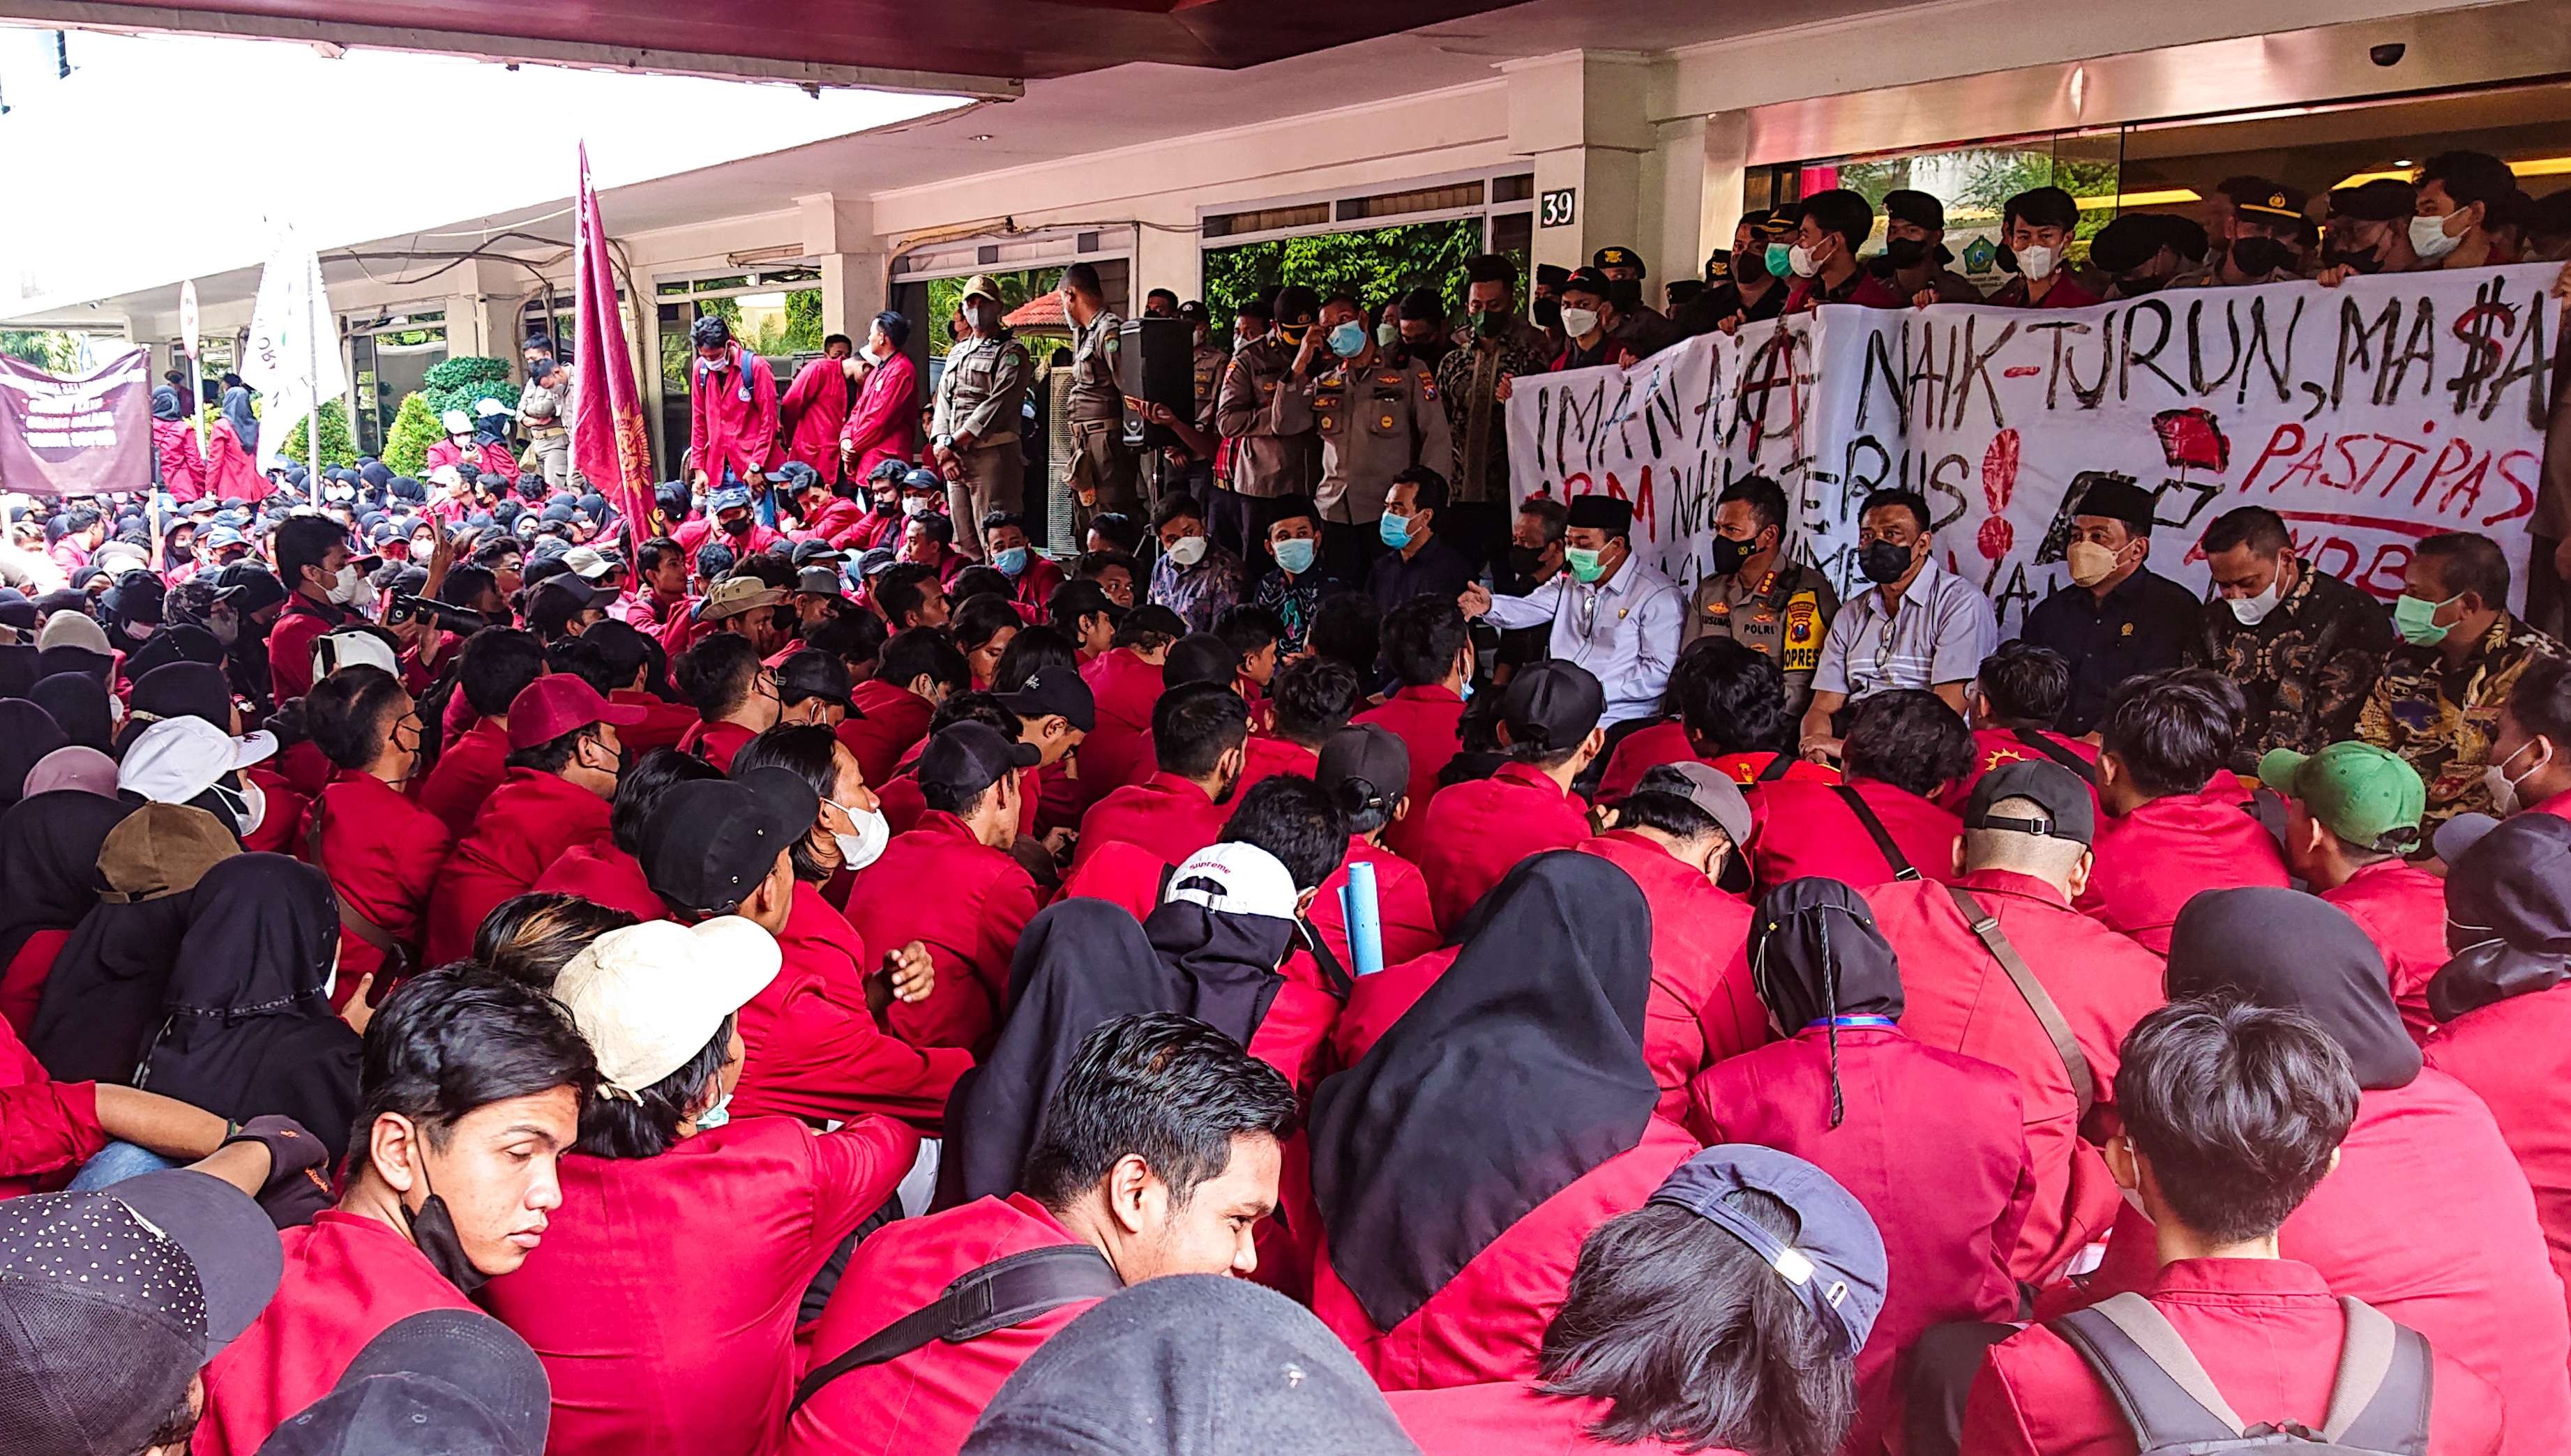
(1921, 626)
(1610, 613)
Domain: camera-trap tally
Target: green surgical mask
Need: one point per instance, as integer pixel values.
(1781, 261)
(1584, 563)
(2415, 619)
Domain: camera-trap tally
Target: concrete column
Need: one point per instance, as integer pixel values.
(1168, 258)
(1581, 115)
(839, 232)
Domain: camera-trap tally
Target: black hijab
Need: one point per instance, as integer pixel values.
(176, 642)
(1080, 964)
(2292, 951)
(247, 1028)
(27, 734)
(17, 669)
(103, 1000)
(65, 657)
(78, 702)
(1519, 1071)
(1816, 956)
(2508, 916)
(178, 690)
(49, 862)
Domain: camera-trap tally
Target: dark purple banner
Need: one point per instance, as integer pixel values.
(81, 436)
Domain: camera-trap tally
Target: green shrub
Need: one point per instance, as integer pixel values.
(460, 382)
(415, 428)
(339, 446)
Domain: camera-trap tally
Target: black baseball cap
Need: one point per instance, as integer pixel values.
(1194, 312)
(443, 1382)
(710, 845)
(1551, 275)
(814, 673)
(1548, 707)
(808, 552)
(1055, 692)
(1588, 281)
(1373, 763)
(2069, 811)
(1834, 1266)
(967, 757)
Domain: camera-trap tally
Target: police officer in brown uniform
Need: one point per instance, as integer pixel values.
(1266, 412)
(974, 437)
(1756, 595)
(1377, 415)
(1106, 473)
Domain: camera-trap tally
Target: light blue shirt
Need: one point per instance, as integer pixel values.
(1939, 633)
(1622, 628)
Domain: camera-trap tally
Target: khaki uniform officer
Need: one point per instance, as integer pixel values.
(1782, 613)
(974, 438)
(1376, 419)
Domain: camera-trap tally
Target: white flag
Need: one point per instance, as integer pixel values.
(292, 357)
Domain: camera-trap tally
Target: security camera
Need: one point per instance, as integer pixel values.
(2389, 55)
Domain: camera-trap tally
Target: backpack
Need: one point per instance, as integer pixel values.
(2379, 1402)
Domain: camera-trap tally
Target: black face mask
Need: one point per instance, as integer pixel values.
(2362, 259)
(2256, 256)
(1525, 561)
(433, 1231)
(737, 528)
(1548, 312)
(1884, 561)
(1905, 252)
(888, 508)
(1729, 555)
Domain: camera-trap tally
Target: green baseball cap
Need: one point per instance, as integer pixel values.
(2369, 796)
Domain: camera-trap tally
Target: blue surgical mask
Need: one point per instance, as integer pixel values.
(1393, 530)
(1296, 556)
(1349, 339)
(1011, 562)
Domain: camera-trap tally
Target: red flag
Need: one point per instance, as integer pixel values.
(610, 445)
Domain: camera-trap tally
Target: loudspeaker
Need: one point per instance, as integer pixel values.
(1156, 360)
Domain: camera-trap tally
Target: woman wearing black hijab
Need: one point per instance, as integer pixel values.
(1458, 1165)
(2428, 1216)
(178, 690)
(78, 704)
(248, 1028)
(1931, 1142)
(102, 1001)
(27, 734)
(48, 880)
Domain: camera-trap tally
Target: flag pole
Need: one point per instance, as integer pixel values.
(312, 426)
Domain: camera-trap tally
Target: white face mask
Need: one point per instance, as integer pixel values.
(865, 846)
(2254, 610)
(2503, 788)
(1579, 322)
(2430, 240)
(2037, 262)
(253, 806)
(715, 1115)
(343, 587)
(1188, 550)
(1800, 259)
(915, 505)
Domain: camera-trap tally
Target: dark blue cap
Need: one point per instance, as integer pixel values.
(1836, 1265)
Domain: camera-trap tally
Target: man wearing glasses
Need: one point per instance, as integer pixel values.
(1608, 613)
(1921, 626)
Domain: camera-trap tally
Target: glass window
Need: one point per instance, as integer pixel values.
(391, 361)
(1373, 263)
(1975, 183)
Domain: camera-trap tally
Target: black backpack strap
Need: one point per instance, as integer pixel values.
(2379, 1399)
(1780, 765)
(2048, 1013)
(2157, 1384)
(1005, 1292)
(2058, 753)
(1902, 869)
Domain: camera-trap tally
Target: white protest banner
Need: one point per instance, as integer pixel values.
(292, 357)
(2369, 416)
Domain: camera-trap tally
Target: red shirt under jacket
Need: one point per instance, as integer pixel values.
(601, 872)
(1931, 1144)
(1805, 828)
(2154, 861)
(2387, 1227)
(1513, 1416)
(1171, 816)
(1118, 750)
(2402, 909)
(662, 724)
(1409, 925)
(347, 1278)
(894, 718)
(1703, 1006)
(925, 1401)
(967, 902)
(523, 829)
(1487, 1324)
(1960, 1000)
(383, 853)
(2516, 1057)
(652, 1344)
(1425, 719)
(466, 773)
(2268, 1331)
(813, 1049)
(1474, 834)
(1264, 756)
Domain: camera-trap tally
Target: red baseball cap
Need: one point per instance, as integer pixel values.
(557, 704)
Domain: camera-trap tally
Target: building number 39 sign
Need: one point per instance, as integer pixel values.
(1554, 209)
